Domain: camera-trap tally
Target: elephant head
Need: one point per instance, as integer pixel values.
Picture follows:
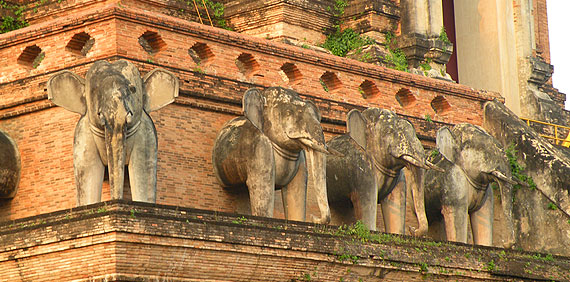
(114, 103)
(10, 166)
(482, 161)
(278, 144)
(290, 122)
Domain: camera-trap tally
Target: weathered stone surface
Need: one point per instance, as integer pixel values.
(539, 228)
(278, 144)
(379, 144)
(115, 129)
(10, 166)
(472, 159)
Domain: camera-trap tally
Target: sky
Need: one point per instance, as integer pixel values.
(559, 35)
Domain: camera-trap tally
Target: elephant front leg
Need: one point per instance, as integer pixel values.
(295, 193)
(456, 225)
(142, 163)
(394, 207)
(261, 180)
(88, 167)
(366, 206)
(482, 221)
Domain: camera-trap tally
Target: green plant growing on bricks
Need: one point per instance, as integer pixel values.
(395, 57)
(340, 42)
(10, 23)
(517, 170)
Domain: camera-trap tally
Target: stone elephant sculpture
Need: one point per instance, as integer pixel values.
(277, 144)
(473, 160)
(375, 149)
(10, 166)
(115, 128)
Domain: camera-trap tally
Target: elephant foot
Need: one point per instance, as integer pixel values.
(321, 220)
(508, 245)
(417, 232)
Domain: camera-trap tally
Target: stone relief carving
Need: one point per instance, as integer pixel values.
(472, 160)
(279, 143)
(10, 166)
(115, 128)
(378, 145)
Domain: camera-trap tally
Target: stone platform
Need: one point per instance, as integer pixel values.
(128, 241)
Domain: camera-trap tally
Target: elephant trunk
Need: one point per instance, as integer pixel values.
(316, 172)
(115, 142)
(417, 185)
(506, 190)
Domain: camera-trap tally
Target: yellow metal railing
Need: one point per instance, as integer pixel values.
(557, 129)
(207, 13)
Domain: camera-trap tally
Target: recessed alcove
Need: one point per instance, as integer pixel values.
(290, 73)
(247, 64)
(405, 98)
(80, 44)
(201, 53)
(152, 42)
(330, 81)
(368, 89)
(440, 105)
(31, 57)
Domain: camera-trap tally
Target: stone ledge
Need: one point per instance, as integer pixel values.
(147, 239)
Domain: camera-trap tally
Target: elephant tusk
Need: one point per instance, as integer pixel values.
(334, 152)
(313, 145)
(503, 177)
(434, 167)
(413, 161)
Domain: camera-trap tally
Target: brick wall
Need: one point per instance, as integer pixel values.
(121, 241)
(211, 92)
(541, 30)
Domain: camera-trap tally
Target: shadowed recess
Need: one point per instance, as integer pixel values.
(201, 53)
(440, 105)
(247, 64)
(80, 44)
(368, 89)
(291, 73)
(330, 81)
(405, 98)
(152, 42)
(31, 57)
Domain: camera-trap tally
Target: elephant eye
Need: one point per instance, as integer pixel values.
(132, 89)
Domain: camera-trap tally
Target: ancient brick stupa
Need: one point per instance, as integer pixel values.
(418, 60)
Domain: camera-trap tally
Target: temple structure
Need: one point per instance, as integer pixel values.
(458, 56)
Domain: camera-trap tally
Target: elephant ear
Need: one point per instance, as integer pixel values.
(315, 109)
(446, 143)
(253, 103)
(357, 127)
(66, 90)
(161, 88)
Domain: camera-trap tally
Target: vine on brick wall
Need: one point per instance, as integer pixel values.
(340, 42)
(395, 58)
(10, 23)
